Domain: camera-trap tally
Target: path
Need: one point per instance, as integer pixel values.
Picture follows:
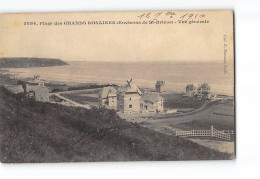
(72, 102)
(165, 125)
(74, 91)
(205, 111)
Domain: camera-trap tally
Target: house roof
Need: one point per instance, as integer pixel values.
(129, 88)
(190, 87)
(39, 87)
(204, 86)
(152, 97)
(107, 91)
(15, 88)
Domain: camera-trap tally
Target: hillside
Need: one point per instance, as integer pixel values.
(29, 62)
(43, 132)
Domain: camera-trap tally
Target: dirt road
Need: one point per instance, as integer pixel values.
(72, 102)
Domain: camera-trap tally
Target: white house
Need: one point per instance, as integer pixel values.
(151, 102)
(190, 90)
(38, 92)
(129, 97)
(108, 97)
(15, 89)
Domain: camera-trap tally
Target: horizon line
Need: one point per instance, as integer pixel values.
(68, 60)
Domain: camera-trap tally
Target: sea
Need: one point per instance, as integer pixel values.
(144, 74)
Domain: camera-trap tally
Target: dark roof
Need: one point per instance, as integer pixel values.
(190, 87)
(36, 88)
(204, 86)
(129, 88)
(15, 88)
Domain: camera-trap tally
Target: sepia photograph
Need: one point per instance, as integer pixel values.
(117, 86)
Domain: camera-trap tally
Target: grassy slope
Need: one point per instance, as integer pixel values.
(81, 98)
(204, 125)
(223, 121)
(177, 100)
(44, 132)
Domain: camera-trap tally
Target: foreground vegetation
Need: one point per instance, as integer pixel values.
(43, 132)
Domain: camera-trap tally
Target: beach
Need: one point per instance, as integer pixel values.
(144, 74)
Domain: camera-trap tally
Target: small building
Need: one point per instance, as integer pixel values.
(190, 90)
(36, 78)
(203, 91)
(128, 98)
(160, 86)
(108, 97)
(38, 92)
(172, 111)
(13, 76)
(151, 102)
(15, 89)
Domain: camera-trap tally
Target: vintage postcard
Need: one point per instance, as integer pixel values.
(117, 86)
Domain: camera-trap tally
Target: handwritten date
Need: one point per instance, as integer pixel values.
(170, 14)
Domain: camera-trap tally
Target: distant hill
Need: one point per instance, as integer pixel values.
(30, 62)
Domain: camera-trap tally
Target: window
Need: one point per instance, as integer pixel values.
(130, 105)
(130, 99)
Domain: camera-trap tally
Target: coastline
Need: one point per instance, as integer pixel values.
(176, 75)
(66, 83)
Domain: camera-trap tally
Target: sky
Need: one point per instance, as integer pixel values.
(135, 42)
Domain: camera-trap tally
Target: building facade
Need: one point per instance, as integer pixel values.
(151, 102)
(15, 89)
(128, 98)
(203, 91)
(37, 78)
(190, 90)
(160, 86)
(38, 92)
(108, 97)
